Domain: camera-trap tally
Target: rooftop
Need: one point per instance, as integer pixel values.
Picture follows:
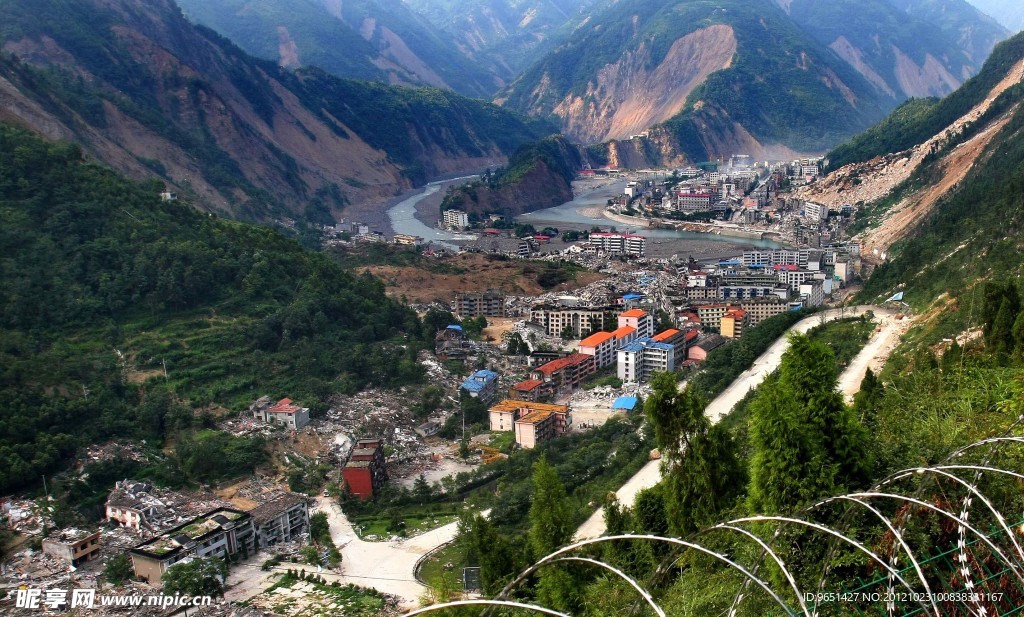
(625, 402)
(528, 385)
(535, 417)
(479, 380)
(513, 405)
(634, 313)
(285, 406)
(561, 363)
(276, 506)
(665, 335)
(596, 339)
(624, 331)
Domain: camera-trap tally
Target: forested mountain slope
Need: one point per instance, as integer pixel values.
(381, 40)
(505, 35)
(148, 93)
(714, 78)
(106, 286)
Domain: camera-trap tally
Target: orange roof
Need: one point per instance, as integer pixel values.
(634, 313)
(596, 339)
(736, 313)
(285, 406)
(691, 334)
(667, 334)
(624, 331)
(561, 363)
(514, 405)
(527, 385)
(535, 417)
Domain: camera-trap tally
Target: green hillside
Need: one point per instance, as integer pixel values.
(782, 86)
(106, 287)
(331, 39)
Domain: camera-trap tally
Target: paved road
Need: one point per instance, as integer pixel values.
(387, 567)
(767, 362)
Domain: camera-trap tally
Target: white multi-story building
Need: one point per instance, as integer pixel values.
(640, 320)
(641, 359)
(622, 244)
(455, 219)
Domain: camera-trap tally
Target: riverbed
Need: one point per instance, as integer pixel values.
(584, 212)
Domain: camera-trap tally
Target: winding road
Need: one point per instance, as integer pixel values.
(389, 567)
(881, 342)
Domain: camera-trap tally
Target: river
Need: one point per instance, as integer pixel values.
(583, 212)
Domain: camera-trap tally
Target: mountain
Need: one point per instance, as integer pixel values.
(939, 185)
(904, 48)
(152, 95)
(1010, 13)
(504, 35)
(539, 175)
(717, 77)
(731, 73)
(381, 40)
(121, 313)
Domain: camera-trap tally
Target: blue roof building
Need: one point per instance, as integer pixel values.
(482, 385)
(627, 403)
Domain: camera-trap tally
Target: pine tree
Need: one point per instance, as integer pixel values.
(1000, 339)
(550, 529)
(1018, 339)
(806, 441)
(702, 471)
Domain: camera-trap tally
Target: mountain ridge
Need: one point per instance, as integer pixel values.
(149, 93)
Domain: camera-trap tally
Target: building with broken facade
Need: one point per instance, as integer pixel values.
(223, 532)
(284, 412)
(490, 303)
(72, 546)
(281, 519)
(481, 385)
(532, 422)
(451, 344)
(131, 505)
(365, 472)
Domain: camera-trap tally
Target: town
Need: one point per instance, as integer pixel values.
(508, 372)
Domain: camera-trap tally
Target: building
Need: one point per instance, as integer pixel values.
(130, 504)
(678, 339)
(450, 343)
(455, 219)
(482, 385)
(759, 309)
(283, 412)
(72, 546)
(641, 359)
(541, 425)
(408, 240)
(815, 212)
(703, 346)
(812, 293)
(503, 416)
(490, 303)
(580, 320)
(365, 472)
(223, 533)
(281, 519)
(566, 374)
(602, 346)
(533, 390)
(711, 315)
(618, 244)
(734, 322)
(624, 336)
(694, 202)
(793, 276)
(640, 320)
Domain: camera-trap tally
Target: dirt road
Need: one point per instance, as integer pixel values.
(767, 362)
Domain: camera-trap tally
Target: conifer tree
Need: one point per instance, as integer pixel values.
(550, 529)
(806, 441)
(702, 471)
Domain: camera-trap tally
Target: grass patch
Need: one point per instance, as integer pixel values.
(404, 521)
